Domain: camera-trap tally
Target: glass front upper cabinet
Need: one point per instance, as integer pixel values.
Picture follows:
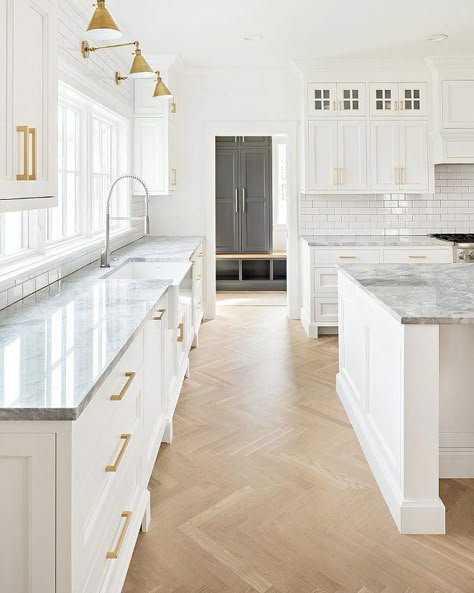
(398, 99)
(336, 99)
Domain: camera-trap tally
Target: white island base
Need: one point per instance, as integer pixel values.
(408, 390)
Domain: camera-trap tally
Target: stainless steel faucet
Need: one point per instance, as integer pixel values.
(105, 255)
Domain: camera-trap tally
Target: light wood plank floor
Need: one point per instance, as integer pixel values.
(265, 488)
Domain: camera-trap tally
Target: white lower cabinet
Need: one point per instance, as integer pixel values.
(28, 512)
(319, 311)
(75, 493)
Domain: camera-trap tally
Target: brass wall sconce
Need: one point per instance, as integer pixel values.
(140, 67)
(103, 27)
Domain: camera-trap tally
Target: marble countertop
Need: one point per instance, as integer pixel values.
(419, 293)
(58, 345)
(373, 241)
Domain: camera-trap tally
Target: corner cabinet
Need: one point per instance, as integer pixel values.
(28, 104)
(154, 140)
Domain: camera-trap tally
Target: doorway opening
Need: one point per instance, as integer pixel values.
(251, 192)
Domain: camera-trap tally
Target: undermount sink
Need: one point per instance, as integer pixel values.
(143, 270)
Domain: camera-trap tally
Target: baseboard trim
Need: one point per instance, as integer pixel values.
(410, 516)
(456, 463)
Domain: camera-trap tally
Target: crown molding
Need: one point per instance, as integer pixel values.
(361, 66)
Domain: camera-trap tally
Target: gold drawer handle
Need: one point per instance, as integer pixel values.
(417, 256)
(114, 554)
(347, 256)
(173, 171)
(26, 175)
(131, 376)
(26, 153)
(126, 440)
(159, 315)
(180, 338)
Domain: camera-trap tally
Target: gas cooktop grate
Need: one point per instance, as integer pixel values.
(455, 237)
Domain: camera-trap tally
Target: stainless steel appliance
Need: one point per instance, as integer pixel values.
(463, 245)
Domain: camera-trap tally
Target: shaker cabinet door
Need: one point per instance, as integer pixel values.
(384, 156)
(27, 513)
(352, 155)
(322, 155)
(414, 156)
(228, 201)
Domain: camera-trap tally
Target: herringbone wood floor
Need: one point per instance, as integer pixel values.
(265, 488)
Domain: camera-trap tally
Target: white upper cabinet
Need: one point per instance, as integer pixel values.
(398, 99)
(352, 155)
(413, 142)
(322, 155)
(28, 104)
(399, 156)
(458, 101)
(384, 155)
(154, 140)
(334, 100)
(337, 158)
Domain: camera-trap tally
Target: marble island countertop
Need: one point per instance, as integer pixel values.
(58, 345)
(373, 241)
(418, 293)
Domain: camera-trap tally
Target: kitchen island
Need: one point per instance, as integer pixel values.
(406, 380)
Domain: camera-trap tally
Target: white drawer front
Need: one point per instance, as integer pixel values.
(346, 256)
(115, 526)
(325, 280)
(413, 256)
(90, 430)
(325, 309)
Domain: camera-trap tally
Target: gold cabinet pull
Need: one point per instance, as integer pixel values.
(173, 176)
(341, 176)
(126, 441)
(32, 133)
(403, 176)
(26, 153)
(334, 176)
(417, 256)
(173, 107)
(130, 377)
(159, 315)
(180, 338)
(347, 257)
(114, 554)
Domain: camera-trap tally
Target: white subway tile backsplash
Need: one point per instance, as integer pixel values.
(450, 208)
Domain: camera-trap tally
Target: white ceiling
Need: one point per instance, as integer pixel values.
(208, 33)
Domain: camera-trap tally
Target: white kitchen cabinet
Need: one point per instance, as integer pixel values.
(319, 312)
(457, 101)
(322, 155)
(337, 155)
(352, 155)
(155, 154)
(399, 156)
(28, 104)
(341, 99)
(398, 99)
(27, 536)
(413, 145)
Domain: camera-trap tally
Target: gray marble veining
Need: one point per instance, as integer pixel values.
(373, 241)
(59, 345)
(419, 293)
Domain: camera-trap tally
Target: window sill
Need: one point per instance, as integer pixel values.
(34, 265)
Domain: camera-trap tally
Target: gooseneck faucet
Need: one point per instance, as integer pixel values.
(105, 255)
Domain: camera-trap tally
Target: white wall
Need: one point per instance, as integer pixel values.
(206, 96)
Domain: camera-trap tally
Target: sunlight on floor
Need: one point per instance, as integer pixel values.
(252, 299)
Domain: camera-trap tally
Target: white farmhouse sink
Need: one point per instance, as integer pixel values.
(143, 270)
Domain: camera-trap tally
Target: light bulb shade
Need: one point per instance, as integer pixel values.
(140, 67)
(161, 90)
(102, 26)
